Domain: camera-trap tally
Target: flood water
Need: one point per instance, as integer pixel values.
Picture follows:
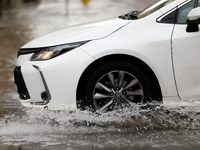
(163, 127)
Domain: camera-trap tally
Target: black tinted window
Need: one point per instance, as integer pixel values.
(170, 18)
(183, 12)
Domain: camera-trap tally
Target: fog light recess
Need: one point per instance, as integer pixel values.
(44, 95)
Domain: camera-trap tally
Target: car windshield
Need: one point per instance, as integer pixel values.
(147, 11)
(152, 8)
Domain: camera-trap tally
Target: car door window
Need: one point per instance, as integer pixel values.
(198, 3)
(183, 12)
(179, 16)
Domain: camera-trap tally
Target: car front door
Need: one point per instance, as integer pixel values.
(186, 55)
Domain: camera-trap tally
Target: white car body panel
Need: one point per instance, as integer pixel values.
(159, 45)
(90, 31)
(186, 54)
(62, 91)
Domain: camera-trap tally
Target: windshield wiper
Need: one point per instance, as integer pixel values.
(130, 16)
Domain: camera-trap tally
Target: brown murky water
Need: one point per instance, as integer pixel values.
(165, 128)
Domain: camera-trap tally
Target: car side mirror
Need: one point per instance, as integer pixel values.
(193, 20)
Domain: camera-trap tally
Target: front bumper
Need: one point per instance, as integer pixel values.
(51, 83)
(22, 89)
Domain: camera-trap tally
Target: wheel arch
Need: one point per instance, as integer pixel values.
(154, 84)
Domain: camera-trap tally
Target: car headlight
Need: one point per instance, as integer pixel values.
(51, 52)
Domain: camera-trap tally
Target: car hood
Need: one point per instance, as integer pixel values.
(84, 32)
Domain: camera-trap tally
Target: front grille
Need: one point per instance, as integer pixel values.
(21, 86)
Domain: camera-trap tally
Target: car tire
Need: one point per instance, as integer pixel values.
(116, 85)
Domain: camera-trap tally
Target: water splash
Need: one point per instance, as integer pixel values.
(68, 127)
(145, 117)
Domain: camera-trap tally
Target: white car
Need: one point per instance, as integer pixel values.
(140, 57)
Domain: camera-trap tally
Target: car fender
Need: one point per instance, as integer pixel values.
(148, 45)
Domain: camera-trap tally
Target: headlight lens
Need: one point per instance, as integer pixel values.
(51, 52)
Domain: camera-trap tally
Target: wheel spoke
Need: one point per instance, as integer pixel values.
(121, 78)
(122, 107)
(103, 109)
(111, 78)
(102, 87)
(117, 90)
(118, 107)
(132, 83)
(130, 102)
(98, 96)
(136, 92)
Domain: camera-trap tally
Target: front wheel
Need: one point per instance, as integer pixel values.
(115, 86)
